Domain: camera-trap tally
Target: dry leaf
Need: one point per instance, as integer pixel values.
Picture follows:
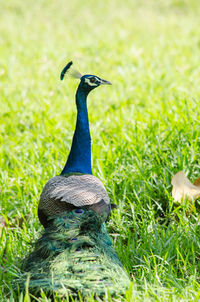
(183, 189)
(197, 182)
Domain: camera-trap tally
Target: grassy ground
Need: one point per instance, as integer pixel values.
(144, 128)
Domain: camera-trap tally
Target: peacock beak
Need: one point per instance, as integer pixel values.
(104, 82)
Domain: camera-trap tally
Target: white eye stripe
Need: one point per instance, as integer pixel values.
(87, 80)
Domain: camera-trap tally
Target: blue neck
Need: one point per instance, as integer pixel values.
(79, 159)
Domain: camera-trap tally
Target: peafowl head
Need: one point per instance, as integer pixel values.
(88, 82)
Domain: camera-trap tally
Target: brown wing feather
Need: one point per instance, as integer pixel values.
(62, 193)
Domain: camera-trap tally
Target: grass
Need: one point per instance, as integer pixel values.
(144, 128)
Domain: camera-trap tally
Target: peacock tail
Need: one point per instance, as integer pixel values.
(74, 254)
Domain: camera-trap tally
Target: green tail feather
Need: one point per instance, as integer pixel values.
(75, 254)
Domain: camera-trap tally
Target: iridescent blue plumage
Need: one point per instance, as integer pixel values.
(79, 159)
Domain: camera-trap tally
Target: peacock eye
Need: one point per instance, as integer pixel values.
(92, 80)
(78, 211)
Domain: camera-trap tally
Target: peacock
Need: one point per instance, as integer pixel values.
(74, 254)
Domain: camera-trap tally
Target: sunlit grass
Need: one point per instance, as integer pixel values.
(144, 128)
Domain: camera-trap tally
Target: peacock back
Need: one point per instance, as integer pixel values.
(65, 193)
